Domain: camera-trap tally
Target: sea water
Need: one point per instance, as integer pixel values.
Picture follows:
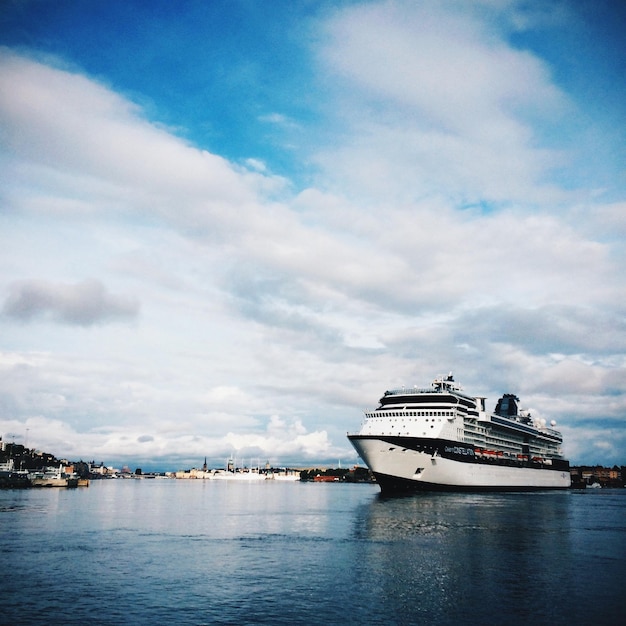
(220, 552)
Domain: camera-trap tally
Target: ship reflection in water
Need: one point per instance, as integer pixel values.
(493, 558)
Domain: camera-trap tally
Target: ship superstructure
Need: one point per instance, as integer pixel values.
(441, 438)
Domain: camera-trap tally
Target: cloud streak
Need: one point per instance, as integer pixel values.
(444, 103)
(83, 304)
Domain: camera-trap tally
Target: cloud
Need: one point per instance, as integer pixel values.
(270, 254)
(82, 304)
(435, 99)
(291, 444)
(80, 139)
(566, 329)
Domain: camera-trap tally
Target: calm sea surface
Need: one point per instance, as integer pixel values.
(207, 552)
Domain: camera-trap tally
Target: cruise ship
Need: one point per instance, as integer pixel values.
(440, 438)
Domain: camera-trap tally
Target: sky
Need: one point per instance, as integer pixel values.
(227, 227)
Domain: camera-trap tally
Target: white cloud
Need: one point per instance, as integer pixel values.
(436, 100)
(82, 139)
(290, 445)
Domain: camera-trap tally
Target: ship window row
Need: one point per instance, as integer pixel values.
(412, 414)
(396, 418)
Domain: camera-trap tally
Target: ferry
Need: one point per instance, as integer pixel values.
(442, 439)
(52, 477)
(232, 472)
(243, 474)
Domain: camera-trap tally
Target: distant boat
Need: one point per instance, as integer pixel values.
(236, 473)
(323, 478)
(52, 477)
(443, 439)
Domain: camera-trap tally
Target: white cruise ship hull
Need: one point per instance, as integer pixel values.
(225, 475)
(448, 466)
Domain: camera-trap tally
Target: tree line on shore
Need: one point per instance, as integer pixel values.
(355, 474)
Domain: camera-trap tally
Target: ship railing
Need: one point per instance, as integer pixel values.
(408, 391)
(413, 391)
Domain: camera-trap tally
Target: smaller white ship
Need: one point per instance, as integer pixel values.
(237, 473)
(52, 477)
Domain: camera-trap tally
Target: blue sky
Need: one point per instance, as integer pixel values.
(228, 227)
